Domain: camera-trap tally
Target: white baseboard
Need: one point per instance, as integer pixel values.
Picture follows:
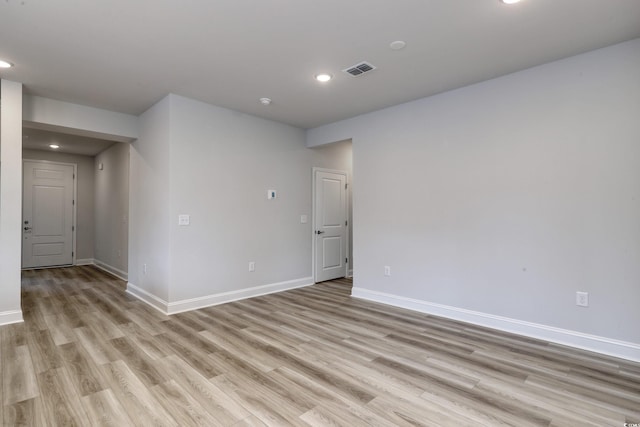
(84, 261)
(603, 345)
(112, 270)
(215, 299)
(9, 317)
(144, 296)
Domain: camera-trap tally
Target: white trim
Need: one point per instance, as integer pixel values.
(112, 270)
(224, 297)
(144, 296)
(350, 272)
(215, 299)
(314, 170)
(104, 267)
(598, 344)
(11, 316)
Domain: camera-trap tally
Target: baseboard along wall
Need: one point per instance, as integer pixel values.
(104, 267)
(215, 299)
(598, 344)
(11, 316)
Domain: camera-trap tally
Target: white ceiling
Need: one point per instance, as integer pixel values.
(124, 55)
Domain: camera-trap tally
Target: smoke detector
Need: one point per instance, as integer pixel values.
(359, 69)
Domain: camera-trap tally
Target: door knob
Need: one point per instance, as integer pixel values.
(319, 232)
(27, 228)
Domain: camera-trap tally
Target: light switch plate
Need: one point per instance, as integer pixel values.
(184, 219)
(582, 299)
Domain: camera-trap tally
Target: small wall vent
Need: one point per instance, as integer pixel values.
(359, 69)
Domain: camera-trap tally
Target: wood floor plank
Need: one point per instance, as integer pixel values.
(266, 405)
(18, 375)
(44, 352)
(83, 372)
(142, 408)
(195, 357)
(138, 361)
(102, 325)
(250, 421)
(24, 413)
(98, 347)
(222, 407)
(60, 399)
(60, 329)
(416, 412)
(183, 408)
(145, 342)
(104, 409)
(88, 353)
(343, 415)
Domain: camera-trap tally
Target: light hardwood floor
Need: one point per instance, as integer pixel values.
(89, 354)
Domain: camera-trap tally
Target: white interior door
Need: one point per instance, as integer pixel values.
(47, 214)
(330, 225)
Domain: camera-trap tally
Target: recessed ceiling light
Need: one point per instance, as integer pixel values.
(54, 146)
(509, 1)
(5, 64)
(323, 77)
(265, 101)
(397, 45)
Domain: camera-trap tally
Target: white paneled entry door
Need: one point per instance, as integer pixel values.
(330, 224)
(47, 214)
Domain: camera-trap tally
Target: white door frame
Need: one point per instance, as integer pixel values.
(313, 218)
(75, 205)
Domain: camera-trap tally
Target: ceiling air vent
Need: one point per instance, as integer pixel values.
(359, 69)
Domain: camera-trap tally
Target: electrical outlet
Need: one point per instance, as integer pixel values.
(252, 266)
(582, 299)
(387, 270)
(184, 219)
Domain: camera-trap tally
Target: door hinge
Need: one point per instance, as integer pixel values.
(72, 253)
(346, 185)
(73, 202)
(346, 260)
(346, 223)
(73, 228)
(74, 176)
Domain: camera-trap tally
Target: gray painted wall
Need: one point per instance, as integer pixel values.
(112, 206)
(508, 196)
(217, 165)
(10, 201)
(222, 164)
(149, 202)
(84, 202)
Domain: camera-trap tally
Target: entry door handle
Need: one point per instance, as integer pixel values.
(27, 228)
(319, 232)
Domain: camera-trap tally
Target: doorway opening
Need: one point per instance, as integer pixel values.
(336, 158)
(330, 224)
(48, 214)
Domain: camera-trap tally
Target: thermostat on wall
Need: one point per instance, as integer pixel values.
(271, 194)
